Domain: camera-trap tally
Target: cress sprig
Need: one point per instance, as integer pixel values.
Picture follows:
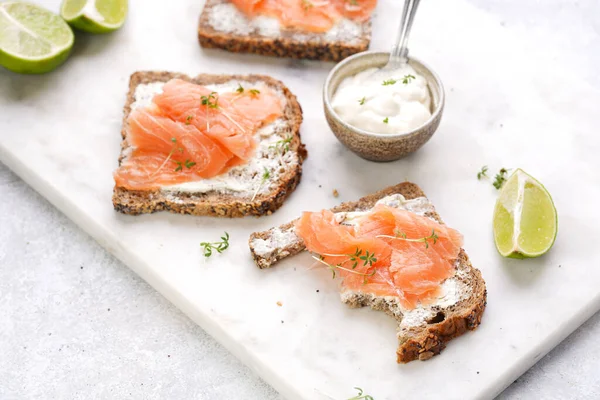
(407, 79)
(335, 267)
(500, 178)
(399, 235)
(187, 163)
(219, 247)
(283, 145)
(366, 257)
(265, 176)
(483, 172)
(211, 101)
(361, 395)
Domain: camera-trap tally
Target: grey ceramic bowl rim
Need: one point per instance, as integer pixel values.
(352, 128)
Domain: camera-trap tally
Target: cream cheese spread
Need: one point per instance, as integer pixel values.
(396, 101)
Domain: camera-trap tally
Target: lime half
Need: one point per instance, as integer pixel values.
(94, 16)
(525, 219)
(32, 39)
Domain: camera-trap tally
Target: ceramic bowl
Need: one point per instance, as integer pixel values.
(381, 146)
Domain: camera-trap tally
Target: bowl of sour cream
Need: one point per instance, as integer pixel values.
(382, 115)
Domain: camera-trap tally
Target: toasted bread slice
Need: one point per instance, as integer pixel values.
(223, 26)
(422, 332)
(259, 197)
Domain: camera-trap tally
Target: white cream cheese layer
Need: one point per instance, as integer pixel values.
(245, 179)
(397, 101)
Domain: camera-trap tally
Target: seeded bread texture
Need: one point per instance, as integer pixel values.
(289, 43)
(214, 203)
(424, 331)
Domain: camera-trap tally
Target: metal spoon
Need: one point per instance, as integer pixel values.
(399, 53)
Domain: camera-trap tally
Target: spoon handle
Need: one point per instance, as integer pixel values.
(399, 54)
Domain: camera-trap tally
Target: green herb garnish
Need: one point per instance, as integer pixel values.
(283, 145)
(361, 396)
(367, 258)
(483, 172)
(187, 163)
(500, 178)
(188, 119)
(389, 82)
(386, 120)
(218, 246)
(211, 101)
(362, 101)
(333, 268)
(407, 78)
(240, 89)
(399, 235)
(254, 92)
(265, 176)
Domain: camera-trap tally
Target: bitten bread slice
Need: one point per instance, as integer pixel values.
(249, 193)
(422, 332)
(223, 26)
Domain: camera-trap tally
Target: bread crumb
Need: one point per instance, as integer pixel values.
(335, 193)
(279, 303)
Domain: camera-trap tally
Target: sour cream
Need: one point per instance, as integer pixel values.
(395, 102)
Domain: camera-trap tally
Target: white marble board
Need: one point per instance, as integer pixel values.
(509, 104)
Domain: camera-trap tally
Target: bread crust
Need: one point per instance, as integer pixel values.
(216, 204)
(419, 342)
(307, 46)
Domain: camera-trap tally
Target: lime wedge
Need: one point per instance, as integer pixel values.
(32, 39)
(525, 219)
(94, 16)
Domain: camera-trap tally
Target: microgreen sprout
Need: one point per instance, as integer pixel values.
(399, 235)
(211, 101)
(219, 247)
(265, 176)
(500, 178)
(407, 78)
(283, 145)
(483, 172)
(361, 395)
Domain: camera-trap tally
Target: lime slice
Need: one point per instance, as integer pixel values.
(525, 219)
(32, 39)
(94, 16)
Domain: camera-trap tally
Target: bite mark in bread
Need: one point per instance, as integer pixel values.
(422, 332)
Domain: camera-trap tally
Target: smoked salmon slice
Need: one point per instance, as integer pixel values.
(385, 252)
(190, 132)
(308, 15)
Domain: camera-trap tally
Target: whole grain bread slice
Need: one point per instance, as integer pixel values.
(422, 332)
(223, 26)
(222, 203)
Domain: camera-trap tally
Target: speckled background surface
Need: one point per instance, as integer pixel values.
(75, 323)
